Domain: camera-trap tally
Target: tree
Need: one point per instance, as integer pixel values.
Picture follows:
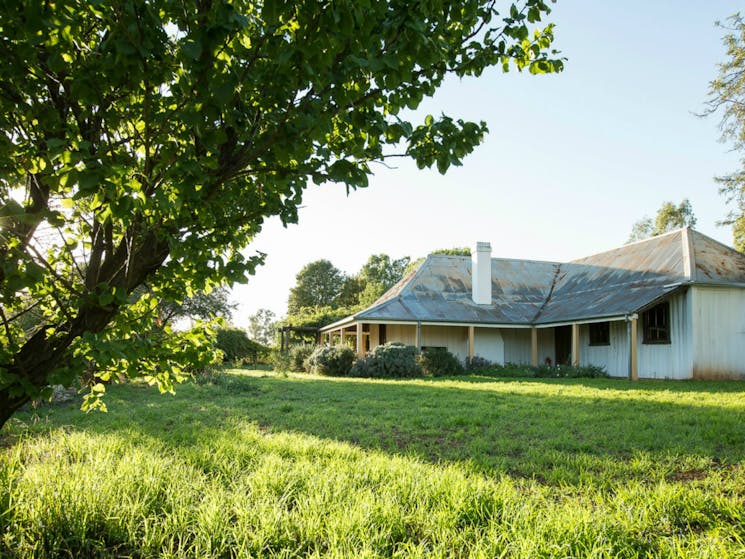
(383, 270)
(202, 306)
(262, 326)
(727, 95)
(669, 217)
(378, 275)
(237, 348)
(318, 284)
(147, 142)
(350, 292)
(456, 251)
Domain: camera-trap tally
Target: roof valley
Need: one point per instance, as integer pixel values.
(554, 281)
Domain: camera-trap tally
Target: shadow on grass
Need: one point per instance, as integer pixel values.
(560, 431)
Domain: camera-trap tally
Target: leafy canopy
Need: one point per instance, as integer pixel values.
(145, 142)
(262, 326)
(727, 97)
(319, 284)
(669, 217)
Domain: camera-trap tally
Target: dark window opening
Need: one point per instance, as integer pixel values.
(600, 333)
(656, 324)
(381, 334)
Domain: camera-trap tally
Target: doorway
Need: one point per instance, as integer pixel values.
(563, 344)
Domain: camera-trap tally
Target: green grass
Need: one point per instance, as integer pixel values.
(258, 465)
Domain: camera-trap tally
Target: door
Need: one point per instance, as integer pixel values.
(563, 344)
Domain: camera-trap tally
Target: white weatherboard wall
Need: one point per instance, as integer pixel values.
(718, 332)
(518, 345)
(673, 360)
(404, 333)
(658, 361)
(454, 338)
(488, 343)
(614, 358)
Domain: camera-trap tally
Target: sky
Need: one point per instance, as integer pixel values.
(571, 161)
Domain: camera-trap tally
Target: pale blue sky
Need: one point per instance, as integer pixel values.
(570, 163)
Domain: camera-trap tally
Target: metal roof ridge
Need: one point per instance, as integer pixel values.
(627, 245)
(689, 253)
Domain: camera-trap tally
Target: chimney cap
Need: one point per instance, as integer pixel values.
(482, 246)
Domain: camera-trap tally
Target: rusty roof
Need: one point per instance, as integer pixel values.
(614, 283)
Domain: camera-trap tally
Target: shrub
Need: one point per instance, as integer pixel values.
(362, 368)
(477, 363)
(207, 375)
(238, 348)
(280, 361)
(299, 355)
(512, 370)
(335, 361)
(439, 362)
(390, 360)
(567, 371)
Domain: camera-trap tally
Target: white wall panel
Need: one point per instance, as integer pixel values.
(719, 332)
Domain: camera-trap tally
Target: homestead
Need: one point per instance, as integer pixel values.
(672, 306)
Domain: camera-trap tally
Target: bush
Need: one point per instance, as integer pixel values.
(512, 370)
(439, 362)
(335, 361)
(390, 360)
(238, 348)
(299, 355)
(362, 368)
(477, 363)
(207, 375)
(280, 361)
(567, 371)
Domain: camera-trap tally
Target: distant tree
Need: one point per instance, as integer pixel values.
(727, 96)
(321, 285)
(457, 251)
(669, 217)
(262, 326)
(738, 231)
(379, 274)
(318, 284)
(384, 270)
(237, 348)
(350, 292)
(202, 306)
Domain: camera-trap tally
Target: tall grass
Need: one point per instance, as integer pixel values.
(264, 466)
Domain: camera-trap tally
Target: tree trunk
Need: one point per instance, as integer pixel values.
(9, 405)
(42, 354)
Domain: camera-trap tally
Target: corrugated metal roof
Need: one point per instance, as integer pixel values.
(524, 292)
(617, 282)
(440, 290)
(715, 262)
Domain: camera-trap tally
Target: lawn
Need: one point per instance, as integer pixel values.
(263, 465)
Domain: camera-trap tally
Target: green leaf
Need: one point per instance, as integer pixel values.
(192, 49)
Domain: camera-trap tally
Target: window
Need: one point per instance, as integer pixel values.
(656, 324)
(381, 334)
(600, 333)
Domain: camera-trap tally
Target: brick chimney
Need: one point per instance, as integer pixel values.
(481, 273)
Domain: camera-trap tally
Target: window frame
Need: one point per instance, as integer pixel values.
(657, 319)
(599, 334)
